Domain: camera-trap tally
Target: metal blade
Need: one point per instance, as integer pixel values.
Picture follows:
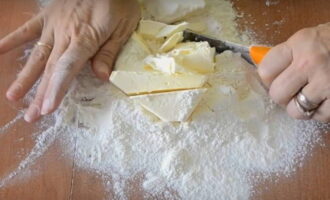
(219, 45)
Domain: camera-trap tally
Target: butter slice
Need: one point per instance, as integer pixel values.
(169, 30)
(133, 83)
(157, 30)
(133, 53)
(150, 29)
(171, 42)
(195, 56)
(172, 106)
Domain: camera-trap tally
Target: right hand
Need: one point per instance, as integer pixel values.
(301, 64)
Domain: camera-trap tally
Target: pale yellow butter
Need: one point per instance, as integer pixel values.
(132, 56)
(163, 63)
(171, 42)
(133, 83)
(195, 56)
(169, 30)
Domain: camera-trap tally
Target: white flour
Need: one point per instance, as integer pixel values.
(11, 123)
(235, 132)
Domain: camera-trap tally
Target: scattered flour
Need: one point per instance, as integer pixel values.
(272, 2)
(11, 123)
(234, 133)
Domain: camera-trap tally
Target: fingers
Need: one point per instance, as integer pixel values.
(32, 70)
(276, 61)
(103, 61)
(315, 94)
(316, 90)
(29, 31)
(105, 58)
(66, 68)
(34, 111)
(323, 112)
(287, 84)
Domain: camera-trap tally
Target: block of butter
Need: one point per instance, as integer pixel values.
(134, 83)
(172, 106)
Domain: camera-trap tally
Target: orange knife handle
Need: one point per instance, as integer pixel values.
(257, 53)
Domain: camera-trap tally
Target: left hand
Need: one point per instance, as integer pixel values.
(301, 65)
(71, 32)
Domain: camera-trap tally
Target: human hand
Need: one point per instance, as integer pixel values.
(301, 64)
(71, 32)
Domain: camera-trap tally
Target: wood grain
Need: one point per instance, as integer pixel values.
(51, 175)
(55, 176)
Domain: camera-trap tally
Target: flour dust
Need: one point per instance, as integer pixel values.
(234, 133)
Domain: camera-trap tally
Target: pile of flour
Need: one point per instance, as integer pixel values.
(235, 132)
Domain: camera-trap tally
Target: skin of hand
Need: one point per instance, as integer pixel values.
(302, 63)
(77, 31)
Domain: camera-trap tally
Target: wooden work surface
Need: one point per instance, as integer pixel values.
(54, 176)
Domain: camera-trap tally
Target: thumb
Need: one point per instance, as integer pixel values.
(104, 59)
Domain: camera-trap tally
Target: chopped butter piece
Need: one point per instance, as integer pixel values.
(172, 106)
(133, 83)
(196, 56)
(133, 53)
(171, 42)
(163, 63)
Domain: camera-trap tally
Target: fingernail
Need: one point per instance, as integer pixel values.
(103, 70)
(32, 113)
(14, 92)
(46, 107)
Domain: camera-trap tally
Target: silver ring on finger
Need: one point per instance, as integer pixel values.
(305, 106)
(305, 103)
(41, 44)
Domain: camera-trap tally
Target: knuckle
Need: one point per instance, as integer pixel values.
(308, 63)
(26, 28)
(284, 48)
(38, 99)
(86, 45)
(265, 76)
(107, 54)
(276, 94)
(40, 55)
(64, 65)
(303, 34)
(317, 58)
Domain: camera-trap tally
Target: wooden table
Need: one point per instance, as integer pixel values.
(55, 176)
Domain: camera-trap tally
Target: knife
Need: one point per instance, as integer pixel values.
(252, 54)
